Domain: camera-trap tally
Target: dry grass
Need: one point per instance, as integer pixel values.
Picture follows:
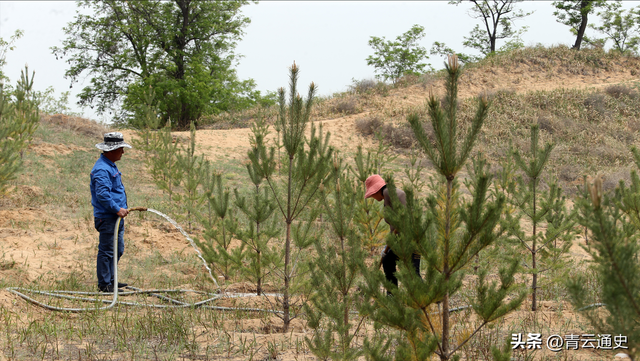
(240, 119)
(75, 124)
(560, 59)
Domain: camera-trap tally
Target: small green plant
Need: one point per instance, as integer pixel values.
(162, 161)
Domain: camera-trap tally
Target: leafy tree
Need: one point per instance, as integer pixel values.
(544, 209)
(306, 163)
(443, 50)
(48, 104)
(613, 222)
(334, 272)
(5, 47)
(394, 59)
(623, 27)
(575, 14)
(448, 235)
(497, 17)
(183, 48)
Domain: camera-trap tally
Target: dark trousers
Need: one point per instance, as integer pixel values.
(106, 226)
(389, 266)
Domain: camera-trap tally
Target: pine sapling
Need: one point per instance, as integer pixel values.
(162, 162)
(146, 122)
(614, 247)
(192, 167)
(19, 119)
(256, 262)
(27, 114)
(334, 273)
(545, 209)
(219, 226)
(305, 167)
(448, 234)
(10, 146)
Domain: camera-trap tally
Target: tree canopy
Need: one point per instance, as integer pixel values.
(183, 49)
(622, 27)
(393, 59)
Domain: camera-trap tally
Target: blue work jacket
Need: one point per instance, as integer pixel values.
(107, 190)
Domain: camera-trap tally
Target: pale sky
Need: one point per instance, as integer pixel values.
(327, 39)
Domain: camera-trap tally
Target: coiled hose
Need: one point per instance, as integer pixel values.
(174, 303)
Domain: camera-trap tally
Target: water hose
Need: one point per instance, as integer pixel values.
(174, 303)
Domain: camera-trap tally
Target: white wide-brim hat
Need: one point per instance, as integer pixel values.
(112, 141)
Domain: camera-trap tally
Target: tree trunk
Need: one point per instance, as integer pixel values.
(287, 252)
(445, 271)
(285, 295)
(534, 282)
(583, 24)
(259, 283)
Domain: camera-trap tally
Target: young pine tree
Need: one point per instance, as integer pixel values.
(10, 147)
(219, 225)
(146, 121)
(27, 114)
(447, 235)
(552, 227)
(334, 273)
(306, 164)
(192, 167)
(256, 262)
(162, 162)
(18, 121)
(613, 223)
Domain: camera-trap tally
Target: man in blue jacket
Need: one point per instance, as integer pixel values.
(109, 202)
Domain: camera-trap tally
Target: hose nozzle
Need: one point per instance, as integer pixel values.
(139, 209)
